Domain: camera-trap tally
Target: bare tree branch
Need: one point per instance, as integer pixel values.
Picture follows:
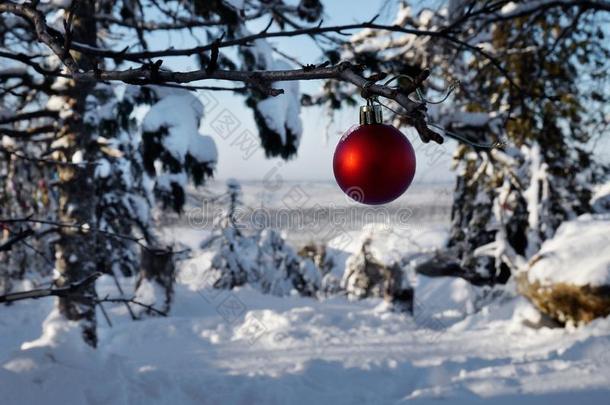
(344, 71)
(38, 160)
(26, 133)
(83, 228)
(42, 31)
(71, 290)
(157, 26)
(27, 60)
(29, 115)
(13, 240)
(132, 301)
(37, 18)
(74, 292)
(264, 34)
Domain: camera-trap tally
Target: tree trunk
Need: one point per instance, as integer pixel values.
(75, 249)
(157, 270)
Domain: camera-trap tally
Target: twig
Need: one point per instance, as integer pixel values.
(28, 116)
(85, 228)
(68, 29)
(43, 160)
(105, 315)
(6, 246)
(214, 53)
(71, 290)
(37, 18)
(132, 301)
(13, 133)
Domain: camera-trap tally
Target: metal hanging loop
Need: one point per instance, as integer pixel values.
(370, 113)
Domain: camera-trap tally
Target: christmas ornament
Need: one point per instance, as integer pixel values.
(374, 163)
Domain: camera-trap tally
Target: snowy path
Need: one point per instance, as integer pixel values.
(296, 350)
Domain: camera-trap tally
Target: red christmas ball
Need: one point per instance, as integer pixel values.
(374, 163)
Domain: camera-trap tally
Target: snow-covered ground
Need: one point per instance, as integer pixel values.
(243, 347)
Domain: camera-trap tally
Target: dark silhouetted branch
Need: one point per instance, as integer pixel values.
(71, 290)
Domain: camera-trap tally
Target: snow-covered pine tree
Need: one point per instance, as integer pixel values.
(323, 260)
(261, 258)
(143, 161)
(123, 198)
(233, 259)
(509, 200)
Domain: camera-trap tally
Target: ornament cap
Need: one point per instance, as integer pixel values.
(370, 114)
